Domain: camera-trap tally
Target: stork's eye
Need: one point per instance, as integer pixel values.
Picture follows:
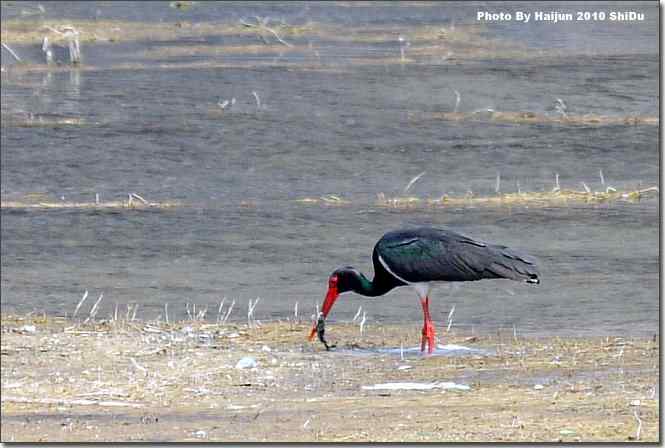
(332, 283)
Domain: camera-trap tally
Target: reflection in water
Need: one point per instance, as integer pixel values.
(72, 98)
(47, 80)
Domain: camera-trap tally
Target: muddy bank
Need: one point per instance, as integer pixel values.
(130, 380)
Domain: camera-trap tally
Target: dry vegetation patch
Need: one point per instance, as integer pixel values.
(127, 379)
(556, 197)
(263, 35)
(42, 201)
(538, 118)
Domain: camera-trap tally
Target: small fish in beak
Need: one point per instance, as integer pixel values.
(320, 330)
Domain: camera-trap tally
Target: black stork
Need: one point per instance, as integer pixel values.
(417, 257)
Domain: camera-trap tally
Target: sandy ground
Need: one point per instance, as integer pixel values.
(121, 380)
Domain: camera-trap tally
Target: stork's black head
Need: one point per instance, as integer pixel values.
(340, 281)
(347, 279)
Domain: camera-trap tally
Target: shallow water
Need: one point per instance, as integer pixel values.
(343, 129)
(448, 350)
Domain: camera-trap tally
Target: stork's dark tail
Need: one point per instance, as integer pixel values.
(513, 265)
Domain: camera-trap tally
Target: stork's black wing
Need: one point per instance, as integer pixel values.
(426, 254)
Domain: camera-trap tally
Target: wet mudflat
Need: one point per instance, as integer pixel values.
(131, 380)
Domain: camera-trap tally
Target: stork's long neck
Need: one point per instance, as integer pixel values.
(370, 288)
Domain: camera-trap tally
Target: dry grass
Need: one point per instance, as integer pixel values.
(43, 121)
(562, 197)
(130, 380)
(536, 118)
(556, 197)
(133, 201)
(330, 199)
(18, 31)
(542, 199)
(26, 31)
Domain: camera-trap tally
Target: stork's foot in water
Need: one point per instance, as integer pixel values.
(428, 338)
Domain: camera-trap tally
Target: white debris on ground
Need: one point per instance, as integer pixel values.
(200, 434)
(448, 385)
(455, 347)
(247, 363)
(27, 329)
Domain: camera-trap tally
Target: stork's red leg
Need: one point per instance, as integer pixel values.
(428, 328)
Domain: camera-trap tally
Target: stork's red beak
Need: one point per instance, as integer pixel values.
(327, 302)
